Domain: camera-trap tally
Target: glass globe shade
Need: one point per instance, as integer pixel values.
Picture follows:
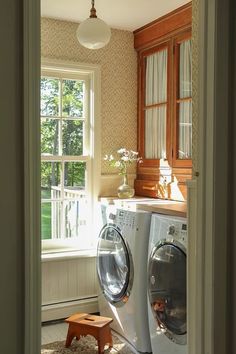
(93, 33)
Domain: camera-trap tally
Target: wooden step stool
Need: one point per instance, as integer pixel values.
(82, 324)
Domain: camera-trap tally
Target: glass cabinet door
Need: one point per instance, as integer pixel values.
(156, 105)
(183, 122)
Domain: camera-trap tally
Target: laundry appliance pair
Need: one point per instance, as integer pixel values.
(148, 307)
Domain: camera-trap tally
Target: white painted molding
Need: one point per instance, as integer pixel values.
(194, 271)
(210, 309)
(66, 309)
(32, 242)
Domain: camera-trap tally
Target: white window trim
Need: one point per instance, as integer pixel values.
(94, 168)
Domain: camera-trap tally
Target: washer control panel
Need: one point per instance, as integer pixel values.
(125, 218)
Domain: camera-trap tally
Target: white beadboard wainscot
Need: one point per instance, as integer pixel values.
(69, 285)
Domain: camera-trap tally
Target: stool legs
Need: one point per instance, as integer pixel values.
(70, 335)
(102, 335)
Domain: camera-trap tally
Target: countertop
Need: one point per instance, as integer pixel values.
(161, 206)
(167, 207)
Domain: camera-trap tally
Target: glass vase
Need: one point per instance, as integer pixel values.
(124, 190)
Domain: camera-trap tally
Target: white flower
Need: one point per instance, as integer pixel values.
(125, 158)
(121, 151)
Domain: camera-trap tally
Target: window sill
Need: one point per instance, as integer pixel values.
(60, 255)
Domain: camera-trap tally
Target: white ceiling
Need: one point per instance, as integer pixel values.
(121, 14)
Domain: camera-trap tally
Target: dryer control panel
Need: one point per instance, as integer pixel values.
(178, 232)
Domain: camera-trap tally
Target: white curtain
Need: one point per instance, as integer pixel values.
(185, 130)
(155, 133)
(185, 107)
(156, 93)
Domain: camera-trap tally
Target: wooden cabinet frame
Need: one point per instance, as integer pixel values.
(168, 31)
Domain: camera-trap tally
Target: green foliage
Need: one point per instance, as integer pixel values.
(71, 143)
(49, 97)
(46, 216)
(72, 98)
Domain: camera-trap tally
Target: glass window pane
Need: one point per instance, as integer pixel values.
(75, 216)
(185, 69)
(156, 78)
(50, 220)
(74, 179)
(72, 137)
(72, 98)
(49, 136)
(49, 96)
(155, 133)
(185, 130)
(50, 180)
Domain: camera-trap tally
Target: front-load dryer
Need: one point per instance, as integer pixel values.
(167, 284)
(121, 267)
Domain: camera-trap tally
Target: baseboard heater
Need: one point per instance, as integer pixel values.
(63, 309)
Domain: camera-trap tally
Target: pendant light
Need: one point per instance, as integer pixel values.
(93, 33)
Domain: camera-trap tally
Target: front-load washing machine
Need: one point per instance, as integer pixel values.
(121, 267)
(167, 284)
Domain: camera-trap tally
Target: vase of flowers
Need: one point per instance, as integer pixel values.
(124, 159)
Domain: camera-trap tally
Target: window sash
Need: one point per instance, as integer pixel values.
(85, 157)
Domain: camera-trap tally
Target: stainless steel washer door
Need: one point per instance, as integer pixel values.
(114, 265)
(167, 289)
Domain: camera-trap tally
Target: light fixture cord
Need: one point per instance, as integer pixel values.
(93, 11)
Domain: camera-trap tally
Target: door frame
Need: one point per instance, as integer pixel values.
(32, 241)
(208, 192)
(208, 207)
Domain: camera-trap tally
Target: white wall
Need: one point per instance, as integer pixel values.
(68, 286)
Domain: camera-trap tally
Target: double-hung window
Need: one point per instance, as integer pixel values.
(67, 158)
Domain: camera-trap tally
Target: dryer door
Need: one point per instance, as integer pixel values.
(167, 289)
(114, 265)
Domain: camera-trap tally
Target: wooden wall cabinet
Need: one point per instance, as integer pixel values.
(165, 105)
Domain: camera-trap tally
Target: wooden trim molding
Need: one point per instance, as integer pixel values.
(169, 24)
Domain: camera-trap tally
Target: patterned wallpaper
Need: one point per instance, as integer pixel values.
(118, 62)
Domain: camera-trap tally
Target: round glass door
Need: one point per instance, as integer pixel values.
(113, 265)
(167, 289)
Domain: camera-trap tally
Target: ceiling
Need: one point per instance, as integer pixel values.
(121, 14)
